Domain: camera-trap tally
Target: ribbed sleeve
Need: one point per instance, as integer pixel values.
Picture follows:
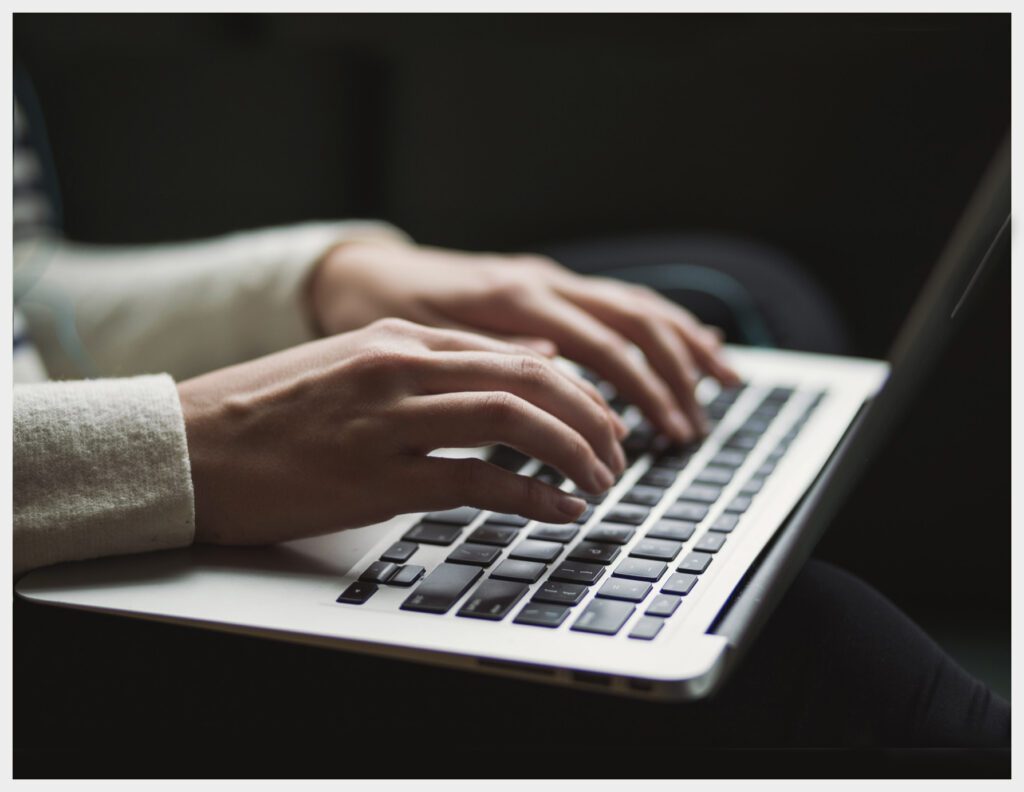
(100, 468)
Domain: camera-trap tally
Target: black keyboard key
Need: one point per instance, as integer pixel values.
(442, 588)
(407, 575)
(378, 572)
(679, 583)
(400, 552)
(604, 616)
(644, 495)
(674, 458)
(589, 497)
(586, 514)
(710, 542)
(729, 458)
(739, 504)
(657, 549)
(724, 523)
(498, 535)
(640, 569)
(660, 477)
(716, 475)
(433, 533)
(742, 441)
(560, 593)
(594, 552)
(508, 458)
(694, 562)
(515, 520)
(539, 614)
(358, 593)
(676, 530)
(687, 511)
(552, 532)
(756, 424)
(535, 550)
(646, 628)
(753, 486)
(523, 571)
(493, 599)
(610, 533)
(475, 554)
(577, 572)
(549, 475)
(765, 470)
(463, 515)
(767, 410)
(700, 493)
(623, 589)
(779, 395)
(627, 513)
(664, 605)
(639, 440)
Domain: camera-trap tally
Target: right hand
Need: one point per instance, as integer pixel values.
(336, 433)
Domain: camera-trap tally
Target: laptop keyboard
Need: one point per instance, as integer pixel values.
(542, 574)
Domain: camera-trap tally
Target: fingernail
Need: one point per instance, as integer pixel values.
(620, 426)
(570, 506)
(603, 477)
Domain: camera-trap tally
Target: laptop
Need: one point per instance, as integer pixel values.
(655, 592)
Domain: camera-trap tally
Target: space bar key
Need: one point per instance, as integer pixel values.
(442, 588)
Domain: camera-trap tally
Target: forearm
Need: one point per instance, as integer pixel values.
(181, 308)
(100, 468)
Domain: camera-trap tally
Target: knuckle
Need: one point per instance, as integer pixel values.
(536, 260)
(612, 346)
(510, 289)
(644, 291)
(532, 370)
(499, 407)
(579, 449)
(384, 366)
(391, 325)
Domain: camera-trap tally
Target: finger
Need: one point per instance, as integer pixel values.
(435, 484)
(467, 420)
(702, 340)
(446, 339)
(544, 346)
(463, 340)
(537, 381)
(592, 343)
(659, 342)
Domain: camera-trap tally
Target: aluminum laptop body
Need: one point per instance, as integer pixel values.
(689, 552)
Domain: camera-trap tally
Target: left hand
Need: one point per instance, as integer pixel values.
(531, 299)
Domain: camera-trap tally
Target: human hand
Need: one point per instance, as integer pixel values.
(335, 433)
(591, 320)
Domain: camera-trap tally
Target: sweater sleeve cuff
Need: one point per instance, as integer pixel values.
(303, 247)
(100, 468)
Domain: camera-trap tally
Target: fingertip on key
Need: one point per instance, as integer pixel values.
(570, 506)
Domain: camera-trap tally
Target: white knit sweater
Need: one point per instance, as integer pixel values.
(101, 465)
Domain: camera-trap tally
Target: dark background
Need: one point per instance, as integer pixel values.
(850, 142)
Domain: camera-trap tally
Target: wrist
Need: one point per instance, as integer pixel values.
(334, 277)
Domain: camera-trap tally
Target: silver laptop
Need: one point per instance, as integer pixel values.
(655, 592)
